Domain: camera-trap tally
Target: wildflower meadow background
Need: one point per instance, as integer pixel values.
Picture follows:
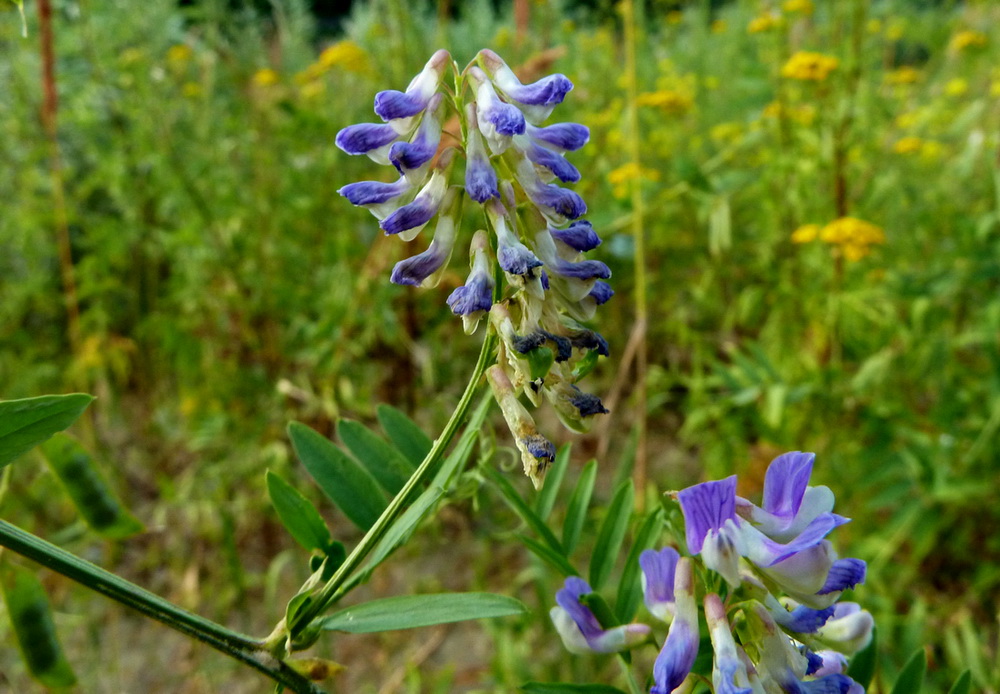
(799, 203)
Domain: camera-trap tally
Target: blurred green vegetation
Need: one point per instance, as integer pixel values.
(224, 288)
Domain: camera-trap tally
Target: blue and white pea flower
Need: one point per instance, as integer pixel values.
(579, 628)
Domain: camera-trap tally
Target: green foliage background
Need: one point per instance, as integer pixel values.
(225, 288)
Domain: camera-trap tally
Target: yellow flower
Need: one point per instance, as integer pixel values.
(995, 88)
(854, 252)
(311, 90)
(894, 31)
(956, 87)
(265, 77)
(902, 75)
(805, 233)
(797, 6)
(905, 121)
(719, 26)
(668, 100)
(854, 236)
(675, 17)
(931, 150)
(764, 22)
(191, 90)
(620, 178)
(726, 132)
(874, 26)
(803, 114)
(967, 39)
(179, 53)
(345, 54)
(809, 67)
(908, 145)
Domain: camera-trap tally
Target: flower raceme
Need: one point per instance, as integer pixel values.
(783, 577)
(537, 235)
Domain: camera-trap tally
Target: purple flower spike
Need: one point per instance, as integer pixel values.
(392, 104)
(580, 236)
(409, 156)
(566, 137)
(474, 299)
(583, 270)
(563, 202)
(844, 574)
(658, 570)
(373, 192)
(365, 137)
(681, 647)
(415, 271)
(601, 292)
(416, 214)
(498, 121)
(513, 256)
(536, 99)
(480, 178)
(555, 203)
(554, 162)
(579, 628)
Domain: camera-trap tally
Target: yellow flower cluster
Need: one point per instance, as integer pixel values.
(803, 114)
(621, 177)
(797, 6)
(764, 22)
(265, 77)
(967, 39)
(908, 145)
(956, 87)
(670, 101)
(809, 67)
(345, 55)
(902, 75)
(179, 53)
(852, 236)
(927, 149)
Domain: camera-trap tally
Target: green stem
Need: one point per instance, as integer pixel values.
(331, 591)
(243, 648)
(633, 686)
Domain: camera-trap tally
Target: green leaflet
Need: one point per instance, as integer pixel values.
(611, 534)
(31, 618)
(963, 685)
(381, 459)
(411, 611)
(86, 486)
(26, 423)
(566, 688)
(409, 438)
(911, 677)
(576, 510)
(297, 514)
(346, 483)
